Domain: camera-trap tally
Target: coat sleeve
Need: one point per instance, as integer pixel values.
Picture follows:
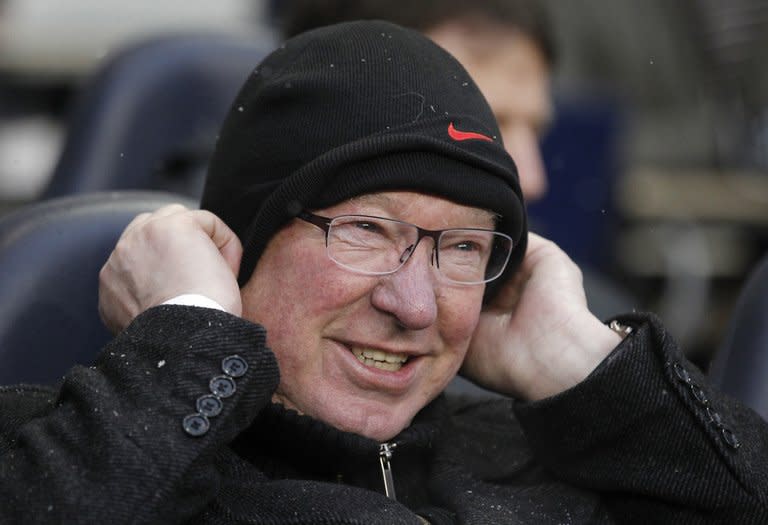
(648, 432)
(109, 444)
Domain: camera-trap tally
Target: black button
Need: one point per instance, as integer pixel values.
(730, 438)
(699, 394)
(682, 373)
(223, 386)
(209, 405)
(196, 425)
(234, 366)
(715, 417)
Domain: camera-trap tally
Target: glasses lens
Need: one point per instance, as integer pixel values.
(371, 245)
(377, 246)
(473, 256)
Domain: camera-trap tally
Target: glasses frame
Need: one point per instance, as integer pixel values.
(324, 223)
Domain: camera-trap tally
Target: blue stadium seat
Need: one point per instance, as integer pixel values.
(50, 256)
(740, 367)
(149, 118)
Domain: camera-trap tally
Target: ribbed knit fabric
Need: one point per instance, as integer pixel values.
(630, 444)
(350, 109)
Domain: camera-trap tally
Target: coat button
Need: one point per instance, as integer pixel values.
(682, 373)
(730, 438)
(222, 386)
(196, 425)
(209, 405)
(234, 366)
(715, 417)
(699, 394)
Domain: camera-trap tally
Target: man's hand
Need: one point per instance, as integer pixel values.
(538, 337)
(169, 252)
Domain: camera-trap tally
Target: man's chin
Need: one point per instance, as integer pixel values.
(374, 421)
(380, 419)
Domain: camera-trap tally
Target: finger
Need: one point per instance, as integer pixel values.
(222, 236)
(137, 221)
(143, 218)
(169, 209)
(510, 293)
(537, 246)
(548, 256)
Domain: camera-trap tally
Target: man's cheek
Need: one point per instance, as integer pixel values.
(459, 327)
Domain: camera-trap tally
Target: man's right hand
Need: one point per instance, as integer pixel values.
(167, 253)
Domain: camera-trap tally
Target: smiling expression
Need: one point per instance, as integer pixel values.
(364, 353)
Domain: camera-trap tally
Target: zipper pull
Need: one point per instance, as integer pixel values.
(385, 455)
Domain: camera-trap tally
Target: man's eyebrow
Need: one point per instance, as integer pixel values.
(393, 204)
(377, 199)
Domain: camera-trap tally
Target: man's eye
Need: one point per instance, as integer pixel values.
(466, 246)
(368, 226)
(473, 245)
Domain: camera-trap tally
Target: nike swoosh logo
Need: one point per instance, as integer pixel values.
(457, 135)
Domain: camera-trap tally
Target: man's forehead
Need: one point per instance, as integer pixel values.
(403, 202)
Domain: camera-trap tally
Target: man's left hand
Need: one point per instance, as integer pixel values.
(538, 338)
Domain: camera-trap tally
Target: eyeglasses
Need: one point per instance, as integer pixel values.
(379, 246)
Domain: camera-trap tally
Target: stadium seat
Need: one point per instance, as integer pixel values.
(149, 118)
(50, 256)
(740, 366)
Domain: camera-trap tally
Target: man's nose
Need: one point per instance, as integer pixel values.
(409, 293)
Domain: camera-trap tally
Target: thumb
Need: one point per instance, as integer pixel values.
(223, 237)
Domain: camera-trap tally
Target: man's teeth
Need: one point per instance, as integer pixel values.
(380, 359)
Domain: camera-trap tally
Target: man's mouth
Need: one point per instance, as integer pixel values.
(380, 359)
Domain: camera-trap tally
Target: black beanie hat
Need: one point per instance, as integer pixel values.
(356, 108)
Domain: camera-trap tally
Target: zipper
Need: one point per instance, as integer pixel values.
(385, 456)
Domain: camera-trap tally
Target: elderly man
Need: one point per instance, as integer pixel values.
(281, 354)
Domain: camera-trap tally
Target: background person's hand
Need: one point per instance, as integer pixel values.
(169, 252)
(538, 338)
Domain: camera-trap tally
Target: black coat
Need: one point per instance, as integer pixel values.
(644, 439)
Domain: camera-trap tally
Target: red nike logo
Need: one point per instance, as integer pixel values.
(457, 135)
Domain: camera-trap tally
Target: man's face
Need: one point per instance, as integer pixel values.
(318, 314)
(513, 76)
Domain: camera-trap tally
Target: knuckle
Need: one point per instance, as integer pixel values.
(119, 251)
(161, 227)
(577, 271)
(205, 213)
(173, 207)
(138, 219)
(104, 274)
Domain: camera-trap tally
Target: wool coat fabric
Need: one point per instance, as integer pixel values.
(643, 439)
